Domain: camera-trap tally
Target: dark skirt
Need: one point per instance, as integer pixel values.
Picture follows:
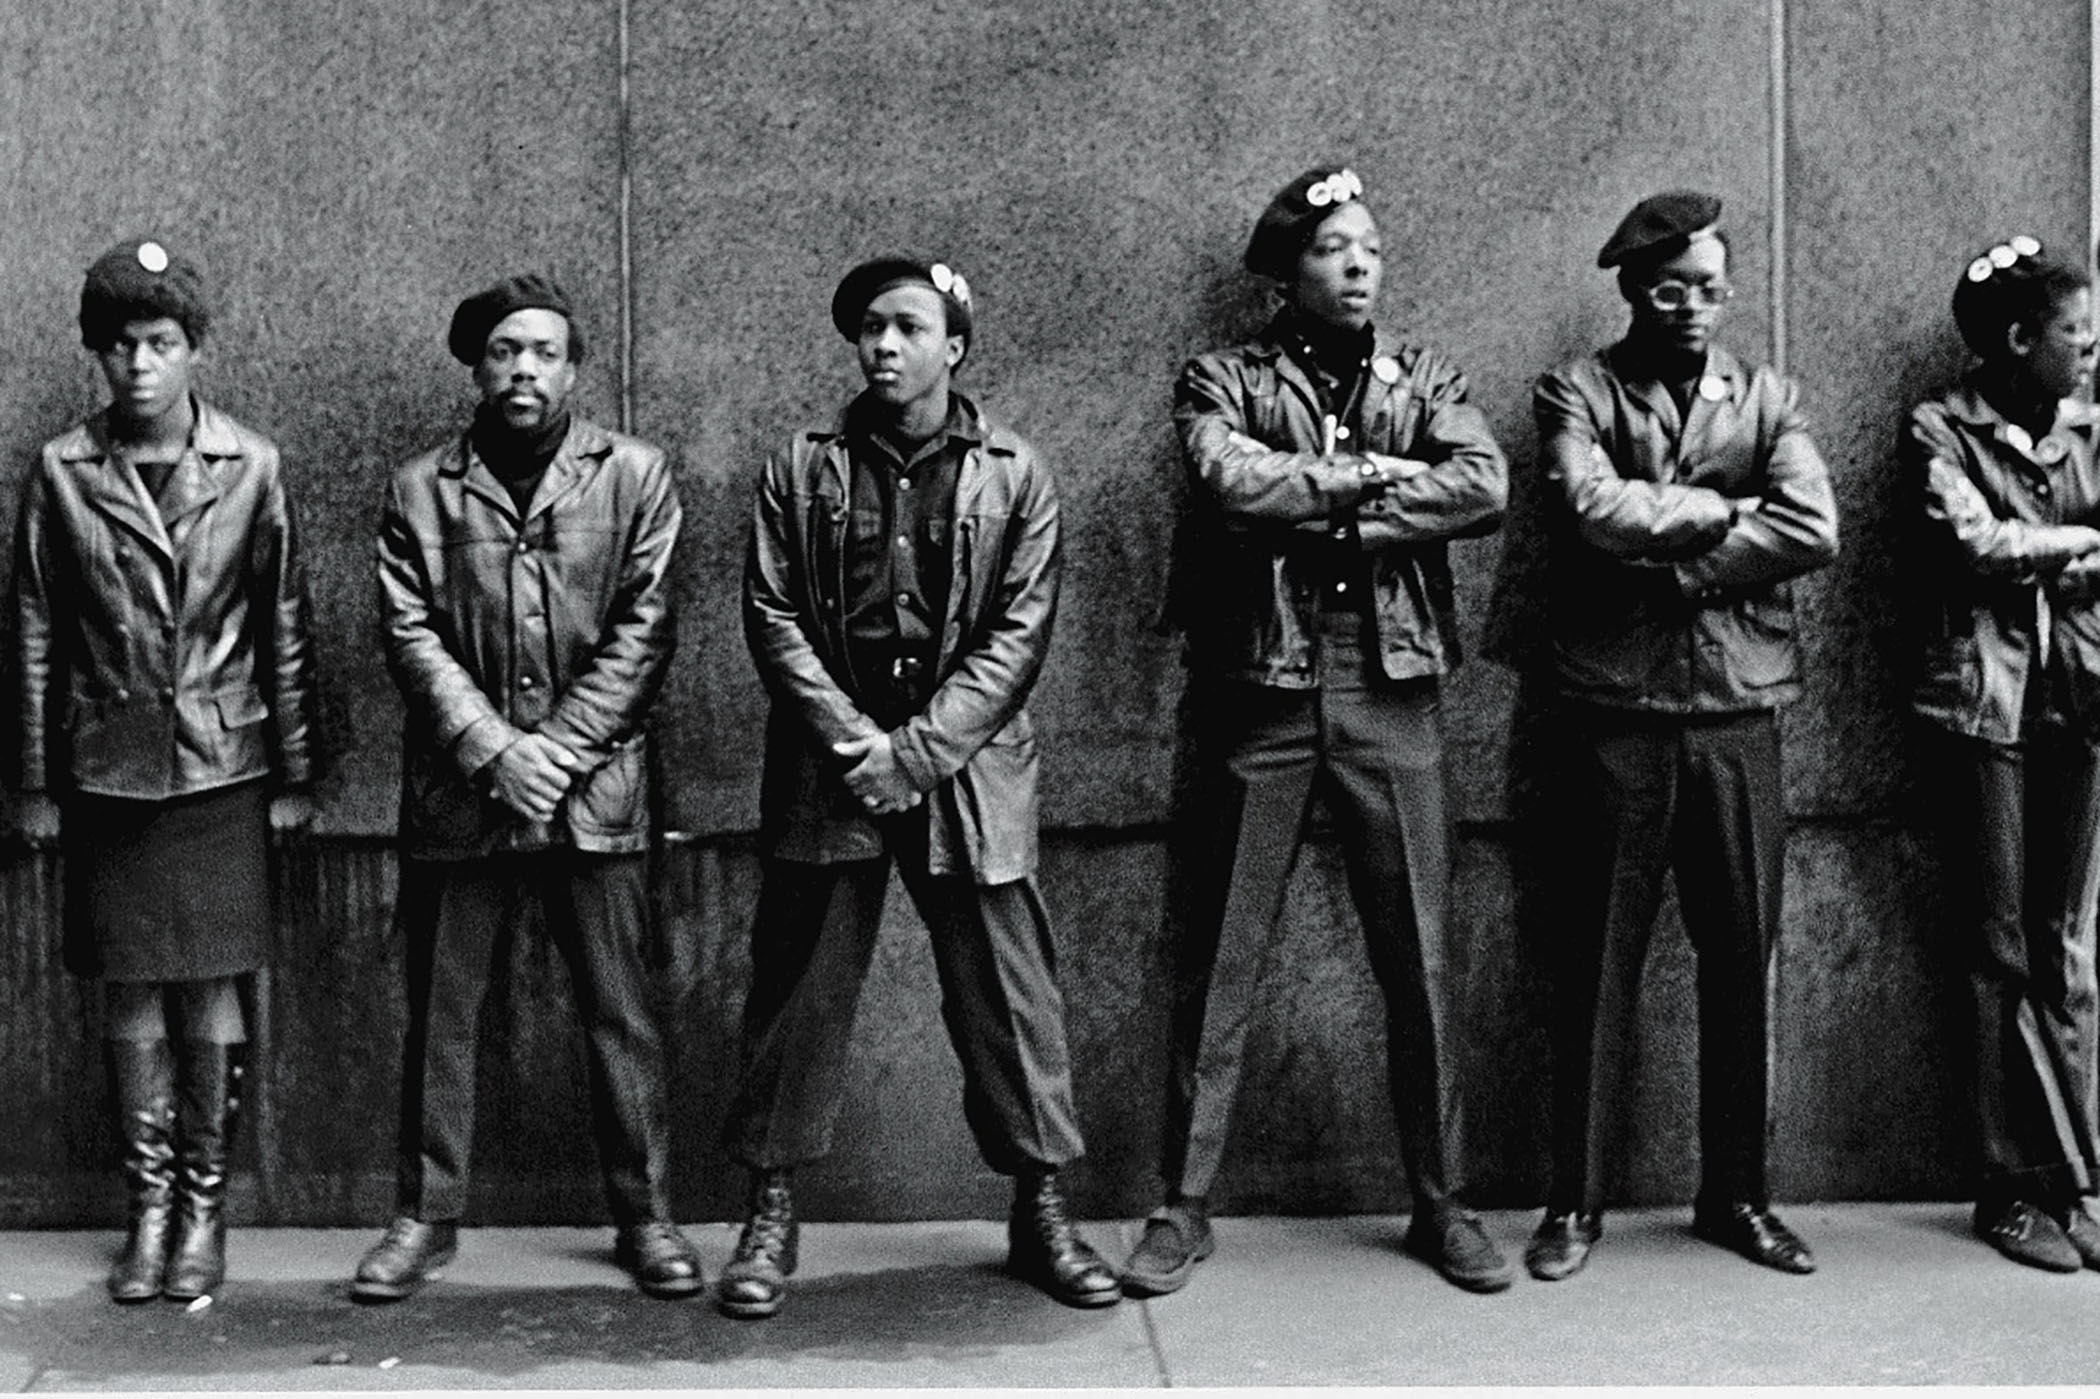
(175, 890)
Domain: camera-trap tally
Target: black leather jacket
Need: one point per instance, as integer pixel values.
(971, 749)
(160, 658)
(559, 624)
(1247, 591)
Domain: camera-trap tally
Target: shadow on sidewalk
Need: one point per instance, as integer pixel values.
(891, 1315)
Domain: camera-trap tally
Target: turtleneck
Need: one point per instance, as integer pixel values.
(2017, 401)
(517, 457)
(1339, 353)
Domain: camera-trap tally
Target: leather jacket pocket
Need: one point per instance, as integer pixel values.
(240, 707)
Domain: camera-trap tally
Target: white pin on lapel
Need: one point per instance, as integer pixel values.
(1713, 388)
(1386, 369)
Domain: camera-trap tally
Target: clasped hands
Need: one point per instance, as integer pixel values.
(534, 774)
(876, 777)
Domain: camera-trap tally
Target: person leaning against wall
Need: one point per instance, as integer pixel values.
(898, 598)
(1329, 467)
(2002, 491)
(524, 588)
(1683, 492)
(165, 707)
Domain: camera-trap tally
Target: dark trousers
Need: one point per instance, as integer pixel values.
(2023, 826)
(597, 912)
(1373, 749)
(811, 943)
(1640, 796)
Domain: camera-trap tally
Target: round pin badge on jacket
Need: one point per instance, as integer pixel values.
(1387, 369)
(1713, 388)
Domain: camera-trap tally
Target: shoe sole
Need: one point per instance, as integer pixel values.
(2028, 1260)
(1107, 1297)
(1465, 1282)
(748, 1311)
(1137, 1284)
(366, 1290)
(672, 1290)
(1807, 1265)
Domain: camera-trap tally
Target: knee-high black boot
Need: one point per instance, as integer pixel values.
(142, 1085)
(208, 1085)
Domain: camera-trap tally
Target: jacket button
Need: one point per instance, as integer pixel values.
(167, 694)
(524, 682)
(2041, 488)
(123, 694)
(523, 546)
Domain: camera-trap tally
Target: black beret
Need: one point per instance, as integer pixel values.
(484, 311)
(1298, 209)
(1657, 220)
(877, 275)
(140, 280)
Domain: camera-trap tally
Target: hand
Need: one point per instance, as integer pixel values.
(876, 776)
(1742, 505)
(1388, 471)
(36, 817)
(533, 775)
(291, 813)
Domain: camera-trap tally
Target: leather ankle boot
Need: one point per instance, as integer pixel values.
(1045, 1249)
(208, 1084)
(142, 1085)
(755, 1280)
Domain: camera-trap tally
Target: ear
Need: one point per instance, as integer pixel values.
(955, 350)
(2019, 340)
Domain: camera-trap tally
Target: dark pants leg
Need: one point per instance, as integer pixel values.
(450, 961)
(811, 942)
(1383, 757)
(597, 909)
(1729, 849)
(1258, 751)
(1613, 791)
(2012, 817)
(2063, 888)
(1638, 795)
(1000, 1002)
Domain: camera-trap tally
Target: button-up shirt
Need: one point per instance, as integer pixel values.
(897, 555)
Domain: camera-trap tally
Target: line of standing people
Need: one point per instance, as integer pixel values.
(900, 587)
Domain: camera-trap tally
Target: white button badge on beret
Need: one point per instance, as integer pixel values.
(1387, 369)
(949, 282)
(153, 257)
(1713, 388)
(1338, 188)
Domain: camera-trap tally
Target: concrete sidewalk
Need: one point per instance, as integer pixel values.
(1904, 1296)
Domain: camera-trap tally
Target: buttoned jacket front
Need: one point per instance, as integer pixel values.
(160, 654)
(2001, 518)
(1674, 536)
(1268, 500)
(556, 620)
(971, 749)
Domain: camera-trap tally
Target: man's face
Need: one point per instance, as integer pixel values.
(1676, 303)
(2059, 352)
(148, 368)
(525, 371)
(1340, 269)
(906, 352)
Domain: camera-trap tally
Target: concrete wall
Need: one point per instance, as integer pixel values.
(346, 171)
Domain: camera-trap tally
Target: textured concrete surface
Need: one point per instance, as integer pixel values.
(1865, 1099)
(346, 172)
(1903, 1295)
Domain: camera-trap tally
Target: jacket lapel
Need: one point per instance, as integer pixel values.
(115, 491)
(1723, 368)
(583, 452)
(200, 478)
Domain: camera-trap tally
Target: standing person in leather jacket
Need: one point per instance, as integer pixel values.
(1683, 493)
(898, 599)
(165, 706)
(524, 587)
(1329, 467)
(2004, 493)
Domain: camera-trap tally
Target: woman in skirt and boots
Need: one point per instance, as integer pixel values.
(164, 707)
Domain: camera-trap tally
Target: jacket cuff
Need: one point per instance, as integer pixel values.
(478, 745)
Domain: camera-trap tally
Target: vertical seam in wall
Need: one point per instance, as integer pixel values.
(626, 231)
(1776, 95)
